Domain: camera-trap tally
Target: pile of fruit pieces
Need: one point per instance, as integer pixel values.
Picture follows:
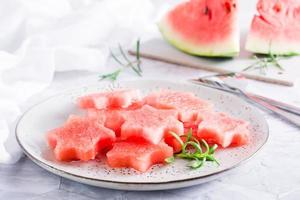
(131, 131)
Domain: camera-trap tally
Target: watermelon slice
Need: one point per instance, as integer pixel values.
(80, 139)
(223, 129)
(140, 156)
(276, 28)
(203, 28)
(188, 105)
(150, 124)
(115, 99)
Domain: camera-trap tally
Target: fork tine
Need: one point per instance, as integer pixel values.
(219, 84)
(214, 84)
(210, 82)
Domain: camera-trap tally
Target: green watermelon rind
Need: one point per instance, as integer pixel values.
(191, 49)
(256, 44)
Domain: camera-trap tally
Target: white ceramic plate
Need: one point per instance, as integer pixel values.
(33, 125)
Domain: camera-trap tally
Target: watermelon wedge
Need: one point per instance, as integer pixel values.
(80, 139)
(115, 99)
(188, 105)
(150, 124)
(276, 28)
(140, 156)
(223, 129)
(203, 28)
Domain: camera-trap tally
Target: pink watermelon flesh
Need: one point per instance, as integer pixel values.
(276, 28)
(80, 139)
(191, 126)
(201, 27)
(98, 115)
(112, 119)
(187, 104)
(140, 156)
(150, 124)
(223, 129)
(114, 99)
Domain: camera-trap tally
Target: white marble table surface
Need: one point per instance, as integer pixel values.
(273, 174)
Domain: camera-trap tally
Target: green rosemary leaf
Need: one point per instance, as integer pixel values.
(135, 70)
(250, 66)
(197, 163)
(116, 59)
(111, 76)
(195, 145)
(189, 135)
(272, 56)
(186, 156)
(206, 146)
(183, 148)
(138, 55)
(213, 149)
(129, 62)
(230, 74)
(123, 53)
(170, 160)
(211, 158)
(177, 138)
(279, 66)
(191, 139)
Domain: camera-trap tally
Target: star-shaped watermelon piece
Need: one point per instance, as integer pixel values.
(80, 138)
(150, 124)
(122, 98)
(188, 105)
(140, 156)
(223, 129)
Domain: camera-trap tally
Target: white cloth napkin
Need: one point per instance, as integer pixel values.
(39, 37)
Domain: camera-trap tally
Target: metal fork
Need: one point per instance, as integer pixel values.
(287, 112)
(227, 88)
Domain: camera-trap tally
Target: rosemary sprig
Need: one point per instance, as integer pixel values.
(129, 63)
(263, 63)
(138, 55)
(198, 152)
(134, 65)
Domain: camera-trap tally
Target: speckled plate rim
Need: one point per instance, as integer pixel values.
(131, 185)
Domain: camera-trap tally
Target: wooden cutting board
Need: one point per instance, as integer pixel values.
(159, 49)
